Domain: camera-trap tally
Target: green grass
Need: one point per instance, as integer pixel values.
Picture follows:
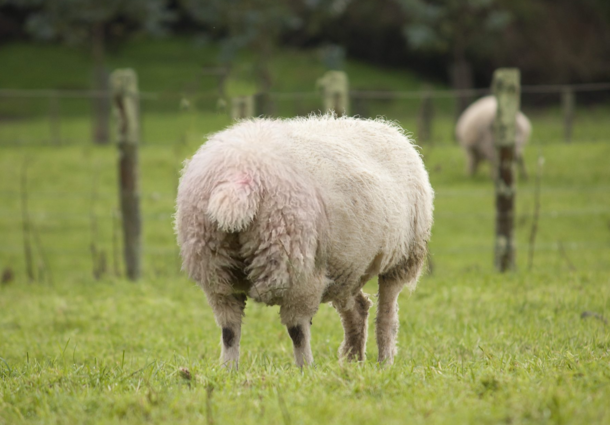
(474, 346)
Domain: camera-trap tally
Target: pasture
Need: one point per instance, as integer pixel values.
(81, 344)
(474, 346)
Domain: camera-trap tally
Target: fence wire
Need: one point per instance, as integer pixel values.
(60, 117)
(63, 117)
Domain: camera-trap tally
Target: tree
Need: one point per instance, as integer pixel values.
(90, 24)
(257, 25)
(558, 41)
(460, 28)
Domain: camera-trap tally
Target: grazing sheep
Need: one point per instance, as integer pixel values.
(304, 211)
(474, 132)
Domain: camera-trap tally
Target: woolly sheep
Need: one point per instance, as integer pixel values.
(300, 212)
(474, 132)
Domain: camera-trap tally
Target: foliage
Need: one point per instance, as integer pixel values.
(73, 21)
(257, 25)
(557, 41)
(454, 26)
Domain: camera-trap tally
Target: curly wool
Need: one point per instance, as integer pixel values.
(302, 211)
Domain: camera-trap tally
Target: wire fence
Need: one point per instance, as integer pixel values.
(72, 236)
(56, 118)
(570, 113)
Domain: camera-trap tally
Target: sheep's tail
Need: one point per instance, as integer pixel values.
(234, 202)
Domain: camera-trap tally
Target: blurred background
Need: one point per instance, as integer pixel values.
(418, 62)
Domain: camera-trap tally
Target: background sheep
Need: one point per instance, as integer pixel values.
(303, 211)
(474, 132)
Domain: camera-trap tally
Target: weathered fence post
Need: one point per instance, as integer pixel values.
(506, 88)
(334, 86)
(242, 107)
(124, 85)
(567, 103)
(424, 119)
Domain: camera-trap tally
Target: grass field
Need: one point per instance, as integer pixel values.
(475, 346)
(529, 347)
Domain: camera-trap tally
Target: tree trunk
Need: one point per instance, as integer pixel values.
(461, 79)
(425, 116)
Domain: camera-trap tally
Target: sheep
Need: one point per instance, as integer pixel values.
(305, 211)
(474, 132)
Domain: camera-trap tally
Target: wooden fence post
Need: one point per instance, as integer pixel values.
(424, 119)
(124, 86)
(334, 86)
(242, 107)
(506, 88)
(567, 103)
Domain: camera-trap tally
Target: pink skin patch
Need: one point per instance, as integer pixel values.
(243, 180)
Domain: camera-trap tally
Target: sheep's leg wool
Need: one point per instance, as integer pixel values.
(387, 319)
(354, 320)
(228, 310)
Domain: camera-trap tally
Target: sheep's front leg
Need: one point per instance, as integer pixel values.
(228, 311)
(355, 326)
(387, 319)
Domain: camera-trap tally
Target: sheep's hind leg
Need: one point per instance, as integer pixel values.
(297, 308)
(355, 326)
(298, 323)
(472, 162)
(300, 333)
(387, 319)
(228, 311)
